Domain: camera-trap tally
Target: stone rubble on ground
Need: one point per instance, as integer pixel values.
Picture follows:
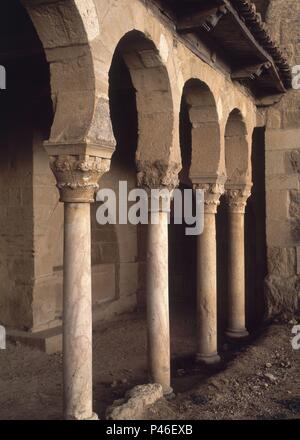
(135, 402)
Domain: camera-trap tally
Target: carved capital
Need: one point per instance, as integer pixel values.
(158, 175)
(78, 176)
(212, 194)
(237, 199)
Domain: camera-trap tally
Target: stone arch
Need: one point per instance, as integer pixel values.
(237, 150)
(141, 113)
(206, 137)
(154, 104)
(65, 30)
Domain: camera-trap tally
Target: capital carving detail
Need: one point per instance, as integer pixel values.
(157, 175)
(78, 176)
(212, 194)
(237, 199)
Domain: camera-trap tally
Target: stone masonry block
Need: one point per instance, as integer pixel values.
(282, 182)
(283, 139)
(278, 203)
(281, 261)
(275, 163)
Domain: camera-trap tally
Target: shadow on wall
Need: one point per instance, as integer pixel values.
(255, 234)
(200, 154)
(182, 248)
(222, 268)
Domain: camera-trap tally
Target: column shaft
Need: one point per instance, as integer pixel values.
(237, 200)
(77, 313)
(207, 292)
(158, 301)
(236, 276)
(77, 178)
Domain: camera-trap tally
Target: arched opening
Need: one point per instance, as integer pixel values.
(140, 105)
(154, 101)
(114, 247)
(236, 160)
(238, 172)
(25, 177)
(200, 154)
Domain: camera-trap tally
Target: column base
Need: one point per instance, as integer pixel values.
(237, 334)
(94, 416)
(210, 359)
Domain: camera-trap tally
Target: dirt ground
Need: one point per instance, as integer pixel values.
(260, 380)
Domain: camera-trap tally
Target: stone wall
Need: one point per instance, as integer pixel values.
(16, 220)
(24, 110)
(283, 172)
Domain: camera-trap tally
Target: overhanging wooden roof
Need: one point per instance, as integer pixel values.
(232, 35)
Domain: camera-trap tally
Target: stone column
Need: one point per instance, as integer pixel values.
(77, 180)
(158, 301)
(236, 199)
(158, 177)
(207, 277)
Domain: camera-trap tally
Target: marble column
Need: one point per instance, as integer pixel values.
(158, 177)
(158, 301)
(236, 199)
(207, 278)
(77, 180)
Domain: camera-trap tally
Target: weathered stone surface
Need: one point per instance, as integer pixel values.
(274, 120)
(283, 139)
(281, 261)
(295, 215)
(295, 204)
(135, 402)
(282, 296)
(292, 161)
(78, 176)
(278, 202)
(101, 130)
(282, 168)
(282, 182)
(275, 163)
(298, 260)
(157, 175)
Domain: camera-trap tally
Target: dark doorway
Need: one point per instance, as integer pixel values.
(183, 253)
(255, 235)
(26, 118)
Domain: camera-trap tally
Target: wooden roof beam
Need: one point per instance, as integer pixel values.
(251, 72)
(206, 19)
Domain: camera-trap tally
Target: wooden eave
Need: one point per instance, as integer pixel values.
(231, 35)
